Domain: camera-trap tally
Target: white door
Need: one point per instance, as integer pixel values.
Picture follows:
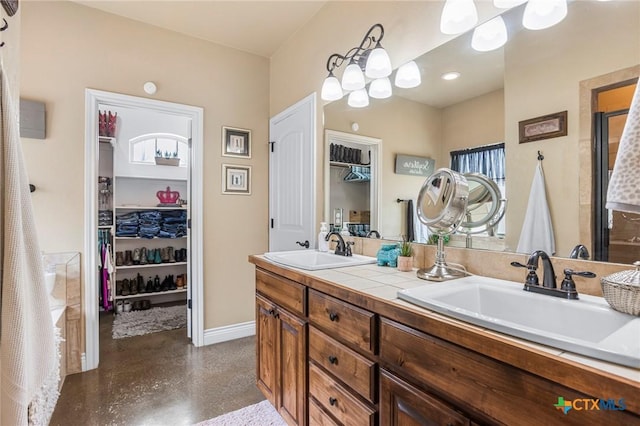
(292, 176)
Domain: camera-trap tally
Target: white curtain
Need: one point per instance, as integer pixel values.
(29, 363)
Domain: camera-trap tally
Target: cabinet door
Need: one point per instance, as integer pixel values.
(266, 347)
(292, 361)
(403, 405)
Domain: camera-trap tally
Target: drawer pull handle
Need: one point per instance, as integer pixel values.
(332, 401)
(333, 316)
(333, 359)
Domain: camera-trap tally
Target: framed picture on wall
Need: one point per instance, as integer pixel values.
(544, 127)
(236, 179)
(236, 142)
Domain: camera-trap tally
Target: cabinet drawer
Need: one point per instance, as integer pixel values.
(284, 292)
(342, 320)
(344, 363)
(317, 416)
(337, 400)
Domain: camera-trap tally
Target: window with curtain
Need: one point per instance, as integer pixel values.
(488, 160)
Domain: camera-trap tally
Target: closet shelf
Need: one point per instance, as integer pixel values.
(105, 226)
(150, 239)
(177, 207)
(106, 139)
(345, 165)
(155, 293)
(150, 265)
(151, 178)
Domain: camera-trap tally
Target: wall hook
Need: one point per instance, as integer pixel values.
(5, 25)
(540, 156)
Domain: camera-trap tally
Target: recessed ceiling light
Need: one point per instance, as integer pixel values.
(450, 75)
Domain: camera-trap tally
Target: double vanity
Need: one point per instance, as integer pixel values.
(344, 345)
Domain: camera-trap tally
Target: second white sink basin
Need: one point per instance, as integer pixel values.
(313, 260)
(587, 326)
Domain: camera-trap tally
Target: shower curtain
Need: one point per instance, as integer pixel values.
(29, 360)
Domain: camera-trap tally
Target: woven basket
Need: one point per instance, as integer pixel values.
(622, 291)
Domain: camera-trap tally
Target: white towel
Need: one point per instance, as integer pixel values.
(623, 193)
(537, 229)
(420, 229)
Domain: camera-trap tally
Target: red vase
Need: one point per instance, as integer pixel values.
(111, 124)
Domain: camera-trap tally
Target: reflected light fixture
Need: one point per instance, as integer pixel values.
(368, 60)
(489, 36)
(541, 14)
(450, 75)
(408, 76)
(458, 16)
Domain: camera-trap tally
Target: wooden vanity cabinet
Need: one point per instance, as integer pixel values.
(281, 346)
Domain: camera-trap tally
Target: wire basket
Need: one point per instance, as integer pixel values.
(622, 290)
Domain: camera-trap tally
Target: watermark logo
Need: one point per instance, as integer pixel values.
(589, 404)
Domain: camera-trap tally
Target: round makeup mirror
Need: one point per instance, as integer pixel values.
(441, 205)
(485, 206)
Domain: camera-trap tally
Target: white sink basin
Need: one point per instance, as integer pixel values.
(313, 260)
(587, 326)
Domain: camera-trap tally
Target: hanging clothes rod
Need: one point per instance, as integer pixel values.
(400, 200)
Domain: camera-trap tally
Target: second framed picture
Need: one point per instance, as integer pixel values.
(236, 179)
(236, 142)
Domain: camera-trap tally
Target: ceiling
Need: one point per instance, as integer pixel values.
(258, 27)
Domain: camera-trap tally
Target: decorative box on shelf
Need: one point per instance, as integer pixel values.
(163, 161)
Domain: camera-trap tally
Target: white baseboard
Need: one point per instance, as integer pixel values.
(229, 332)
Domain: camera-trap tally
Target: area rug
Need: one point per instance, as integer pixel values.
(260, 414)
(137, 323)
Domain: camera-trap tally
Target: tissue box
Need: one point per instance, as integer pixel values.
(359, 216)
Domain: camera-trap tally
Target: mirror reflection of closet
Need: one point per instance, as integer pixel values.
(351, 188)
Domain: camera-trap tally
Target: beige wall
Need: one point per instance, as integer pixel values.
(67, 48)
(405, 127)
(549, 82)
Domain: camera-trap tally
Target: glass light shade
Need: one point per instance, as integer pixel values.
(380, 88)
(408, 76)
(541, 14)
(490, 35)
(458, 16)
(507, 4)
(331, 89)
(353, 79)
(378, 64)
(358, 99)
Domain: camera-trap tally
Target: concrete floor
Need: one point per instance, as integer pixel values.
(159, 379)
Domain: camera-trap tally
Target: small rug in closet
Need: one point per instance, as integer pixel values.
(260, 414)
(138, 323)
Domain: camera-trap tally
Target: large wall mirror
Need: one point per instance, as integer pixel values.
(536, 73)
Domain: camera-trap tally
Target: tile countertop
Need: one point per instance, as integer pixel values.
(384, 282)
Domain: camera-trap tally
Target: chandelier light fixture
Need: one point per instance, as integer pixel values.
(541, 14)
(489, 36)
(458, 16)
(370, 61)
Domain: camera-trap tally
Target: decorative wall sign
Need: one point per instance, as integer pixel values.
(415, 166)
(544, 127)
(236, 142)
(236, 179)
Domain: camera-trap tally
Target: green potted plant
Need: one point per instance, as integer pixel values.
(405, 257)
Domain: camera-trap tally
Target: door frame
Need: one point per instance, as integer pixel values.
(309, 100)
(375, 144)
(94, 98)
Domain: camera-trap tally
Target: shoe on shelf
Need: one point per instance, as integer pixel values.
(151, 256)
(137, 305)
(165, 284)
(119, 307)
(128, 258)
(133, 283)
(119, 258)
(172, 283)
(164, 254)
(149, 288)
(158, 256)
(142, 288)
(143, 256)
(136, 256)
(118, 287)
(171, 255)
(126, 306)
(156, 283)
(126, 287)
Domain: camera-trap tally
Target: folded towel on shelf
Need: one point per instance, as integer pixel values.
(537, 229)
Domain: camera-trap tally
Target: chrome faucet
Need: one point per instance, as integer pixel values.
(579, 251)
(372, 232)
(342, 248)
(568, 288)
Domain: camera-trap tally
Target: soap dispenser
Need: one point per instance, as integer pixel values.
(323, 244)
(345, 230)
